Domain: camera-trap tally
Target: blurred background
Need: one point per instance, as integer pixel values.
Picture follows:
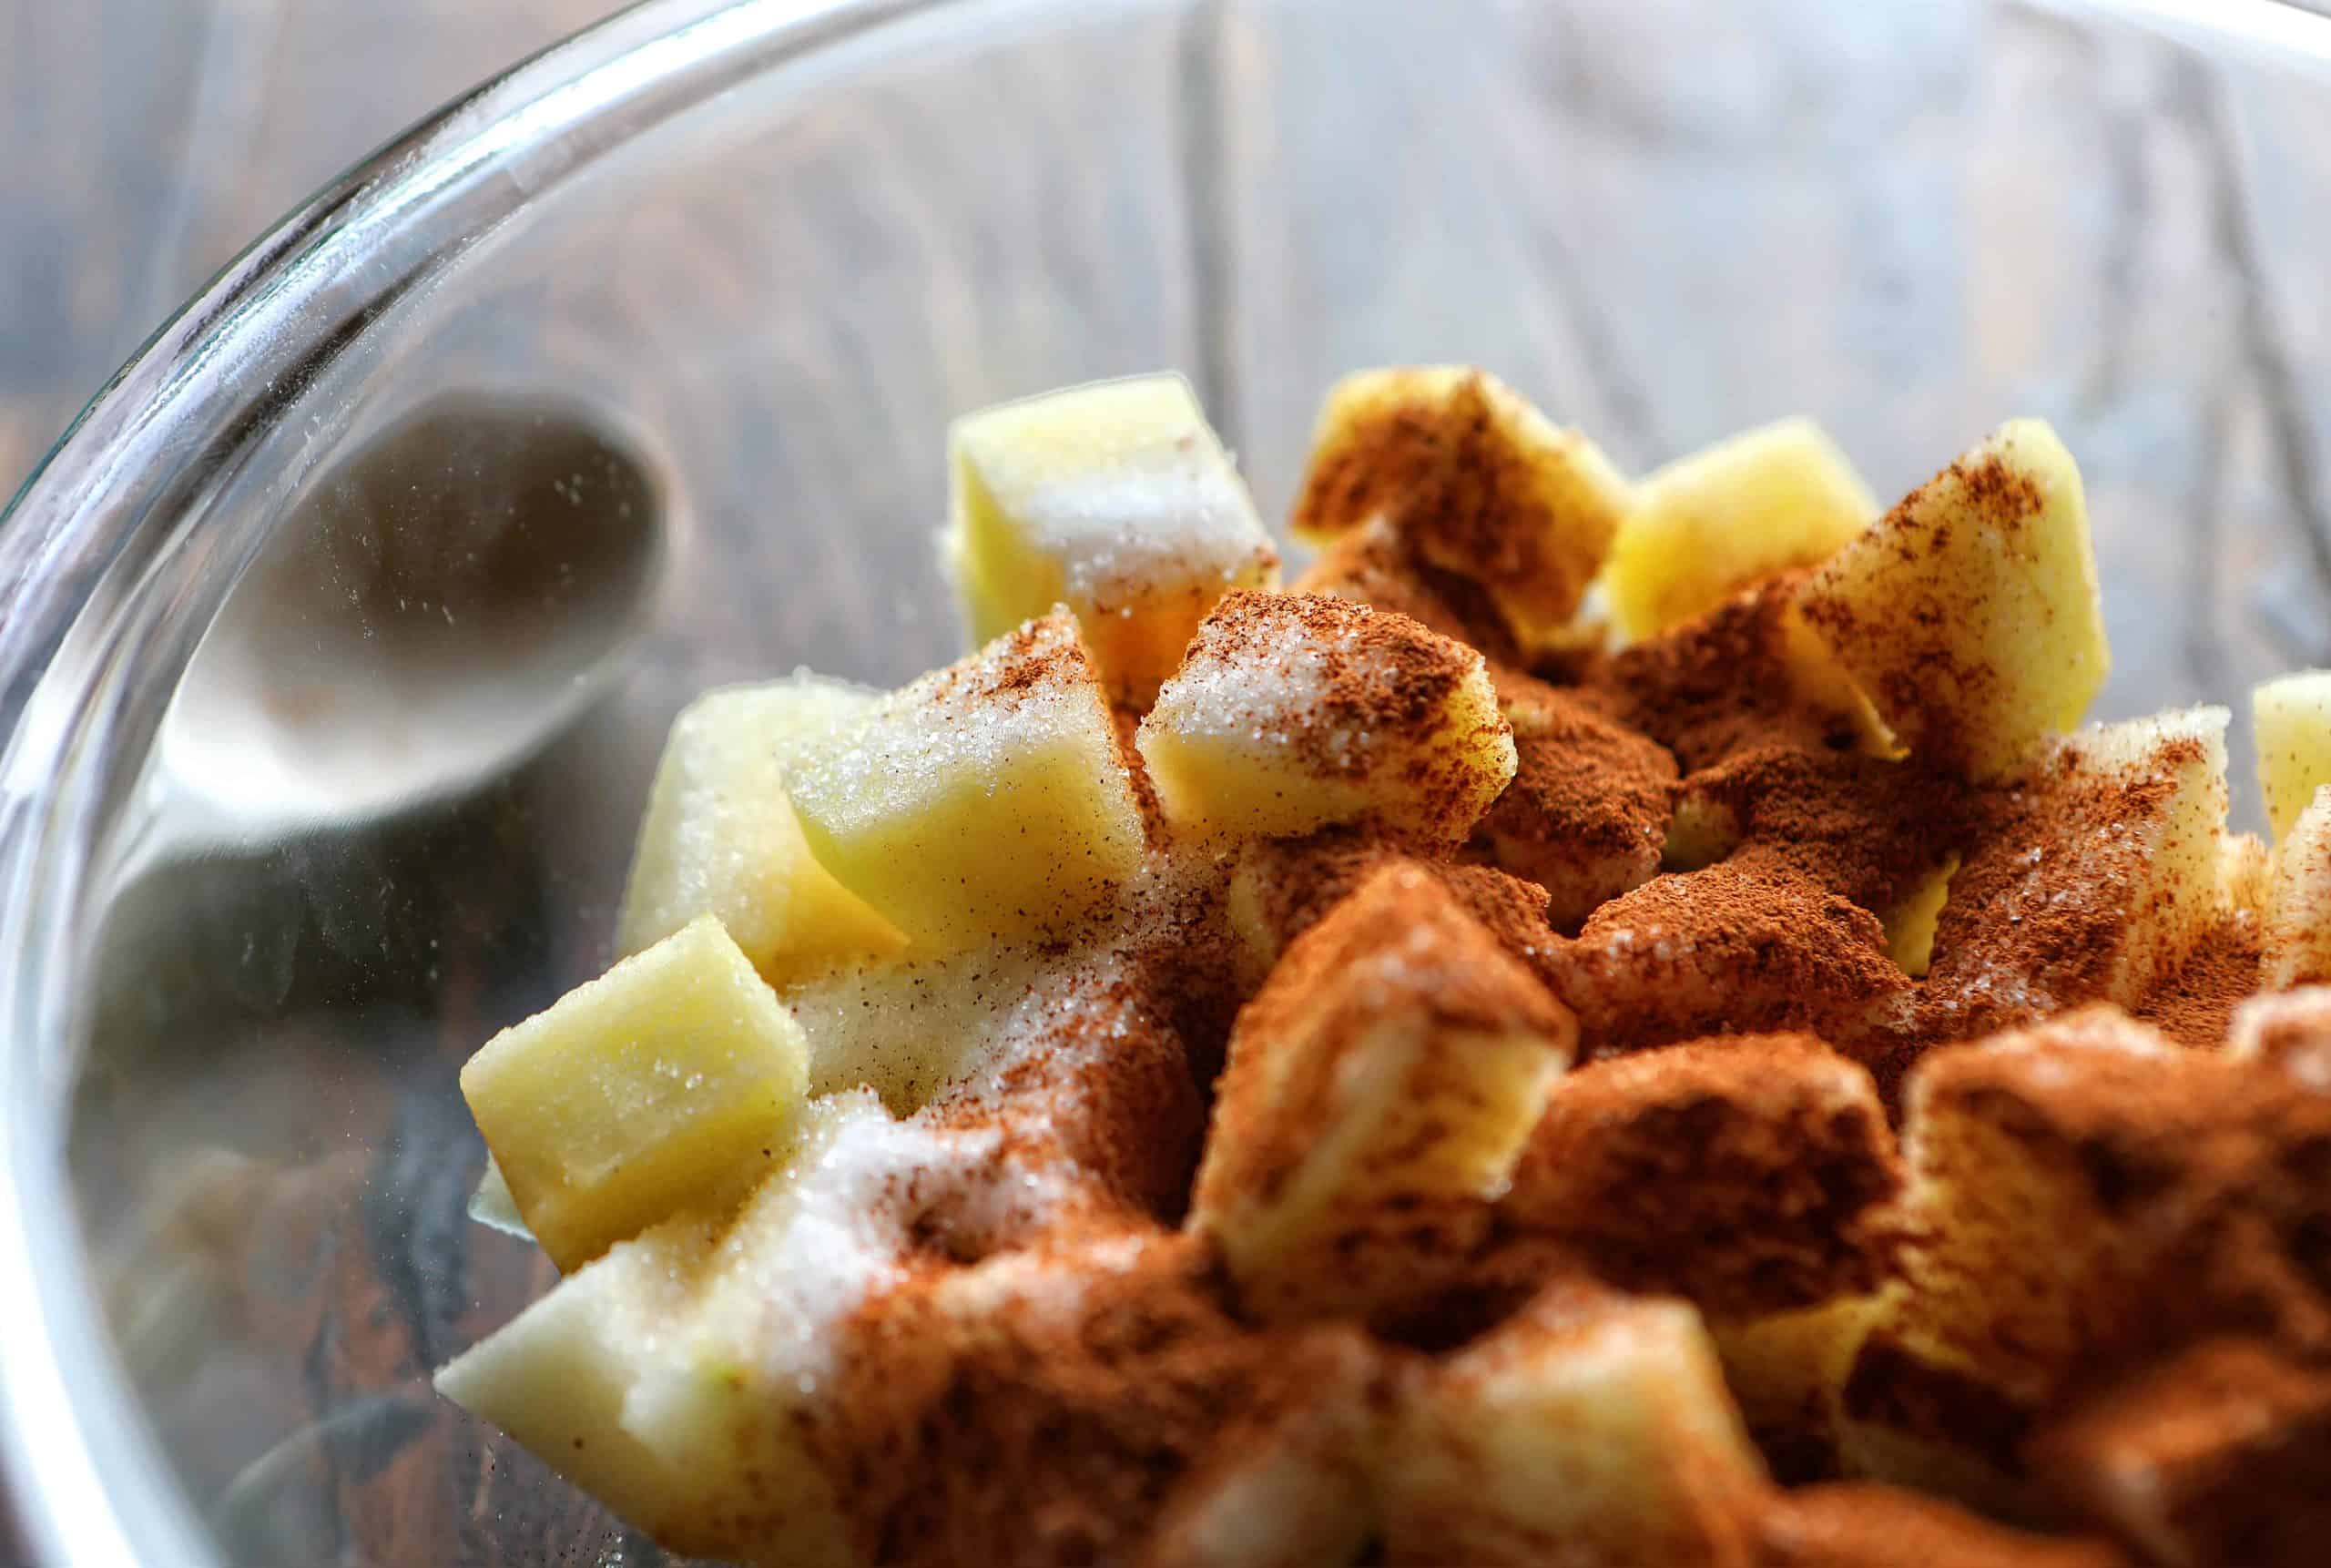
(144, 142)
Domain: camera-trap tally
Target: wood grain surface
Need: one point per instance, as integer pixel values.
(144, 142)
(1911, 220)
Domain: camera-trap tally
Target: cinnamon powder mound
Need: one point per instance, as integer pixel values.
(1752, 1174)
(2207, 1180)
(1372, 565)
(1920, 682)
(1047, 1407)
(2195, 1005)
(1721, 682)
(1474, 477)
(1283, 886)
(1750, 945)
(1585, 816)
(1321, 671)
(1865, 828)
(1399, 945)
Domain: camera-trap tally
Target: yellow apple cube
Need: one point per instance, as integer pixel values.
(1707, 525)
(2245, 874)
(2295, 949)
(720, 837)
(1969, 613)
(659, 1087)
(2293, 715)
(987, 800)
(1115, 499)
(670, 1377)
(1478, 481)
(1298, 711)
(1910, 924)
(1379, 1091)
(1590, 1428)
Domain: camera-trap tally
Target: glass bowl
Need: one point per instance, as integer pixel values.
(338, 637)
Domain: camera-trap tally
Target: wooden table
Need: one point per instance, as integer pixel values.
(144, 142)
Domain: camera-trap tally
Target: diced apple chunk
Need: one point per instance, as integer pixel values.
(671, 1376)
(987, 800)
(720, 837)
(2295, 949)
(2123, 837)
(2293, 718)
(2081, 1194)
(1295, 711)
(1374, 565)
(662, 1086)
(1481, 483)
(1590, 1428)
(1709, 525)
(1586, 815)
(1115, 499)
(1787, 1370)
(1969, 613)
(1378, 1090)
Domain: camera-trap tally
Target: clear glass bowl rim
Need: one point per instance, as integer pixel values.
(96, 521)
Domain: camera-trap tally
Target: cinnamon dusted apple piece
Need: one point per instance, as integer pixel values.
(720, 835)
(1373, 564)
(1590, 1428)
(1281, 887)
(2219, 1454)
(1705, 527)
(2083, 1192)
(1115, 499)
(1969, 613)
(1586, 814)
(1378, 1090)
(1094, 1400)
(1862, 1525)
(1750, 1174)
(2247, 874)
(1753, 1176)
(1293, 712)
(2097, 875)
(1475, 478)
